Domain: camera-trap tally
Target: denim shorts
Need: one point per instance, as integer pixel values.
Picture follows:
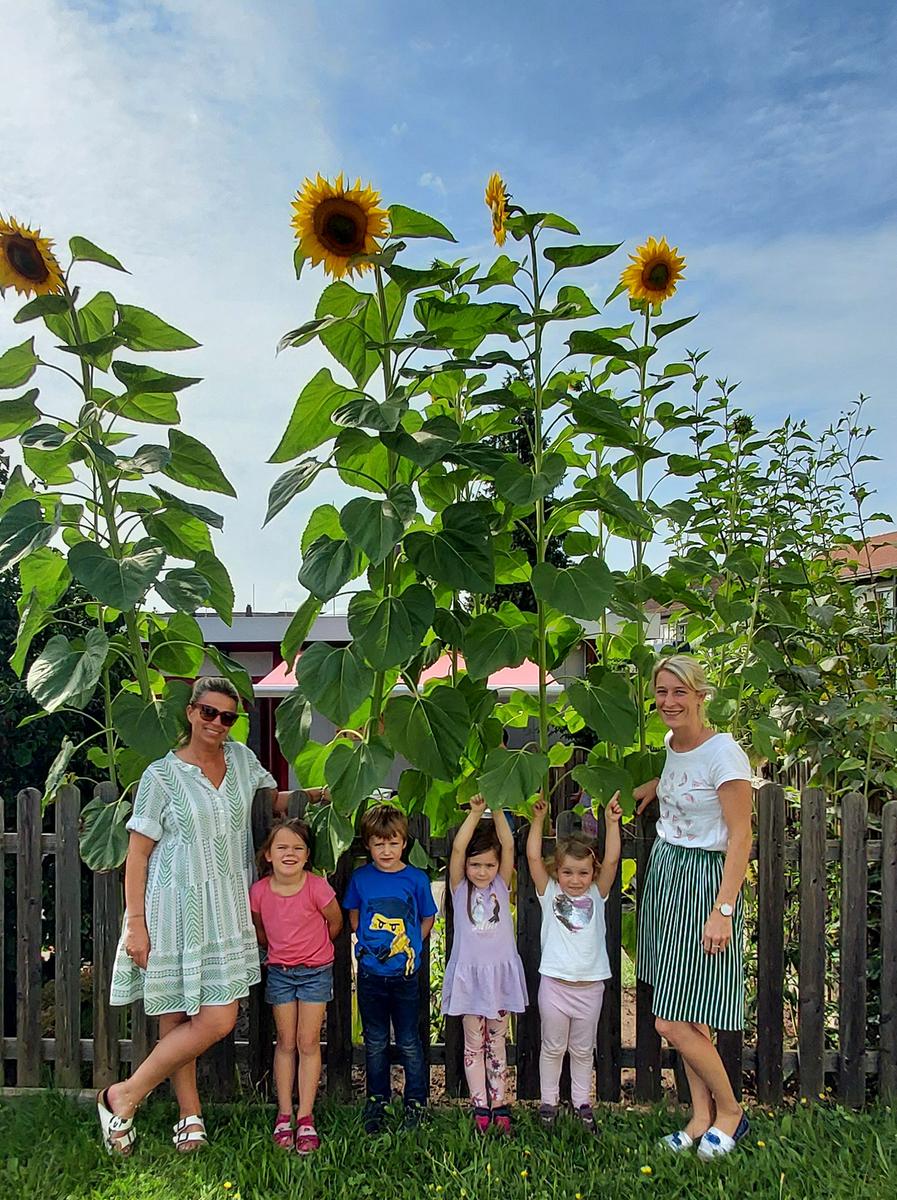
(311, 985)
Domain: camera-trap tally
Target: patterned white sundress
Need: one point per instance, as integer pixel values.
(203, 947)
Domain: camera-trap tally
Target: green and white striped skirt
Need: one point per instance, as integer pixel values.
(677, 898)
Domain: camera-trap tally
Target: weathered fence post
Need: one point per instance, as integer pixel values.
(419, 830)
(455, 1082)
(67, 956)
(107, 900)
(28, 939)
(770, 942)
(2, 940)
(647, 1042)
(607, 1084)
(852, 999)
(339, 1010)
(887, 1074)
(529, 925)
(811, 1014)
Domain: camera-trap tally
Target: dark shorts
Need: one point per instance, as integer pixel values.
(309, 985)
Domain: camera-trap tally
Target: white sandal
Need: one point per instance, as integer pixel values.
(193, 1139)
(676, 1143)
(715, 1143)
(119, 1134)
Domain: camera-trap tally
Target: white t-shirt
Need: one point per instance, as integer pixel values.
(690, 811)
(573, 936)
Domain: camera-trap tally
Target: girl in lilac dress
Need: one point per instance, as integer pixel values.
(484, 979)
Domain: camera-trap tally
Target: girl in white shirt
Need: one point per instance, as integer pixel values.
(574, 961)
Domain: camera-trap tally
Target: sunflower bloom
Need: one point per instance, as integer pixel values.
(655, 271)
(334, 222)
(27, 261)
(497, 202)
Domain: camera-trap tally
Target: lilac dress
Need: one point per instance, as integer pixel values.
(484, 975)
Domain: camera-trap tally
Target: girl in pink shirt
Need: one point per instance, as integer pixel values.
(296, 917)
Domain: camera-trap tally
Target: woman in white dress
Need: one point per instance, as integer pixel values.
(188, 948)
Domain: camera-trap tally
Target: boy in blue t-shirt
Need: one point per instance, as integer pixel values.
(391, 912)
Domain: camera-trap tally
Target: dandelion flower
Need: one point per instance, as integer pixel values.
(654, 273)
(27, 261)
(524, 1173)
(333, 222)
(497, 202)
(227, 1184)
(646, 1170)
(762, 1145)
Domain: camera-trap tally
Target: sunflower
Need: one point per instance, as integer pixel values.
(655, 271)
(333, 222)
(497, 202)
(27, 262)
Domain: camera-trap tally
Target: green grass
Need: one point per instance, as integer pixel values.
(49, 1149)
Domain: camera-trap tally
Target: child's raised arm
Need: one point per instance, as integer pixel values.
(506, 838)
(613, 814)
(534, 847)
(462, 840)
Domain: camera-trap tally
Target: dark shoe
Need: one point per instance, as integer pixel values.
(501, 1119)
(481, 1118)
(587, 1118)
(548, 1114)
(373, 1117)
(415, 1115)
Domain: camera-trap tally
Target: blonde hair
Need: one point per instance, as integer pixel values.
(687, 670)
(383, 821)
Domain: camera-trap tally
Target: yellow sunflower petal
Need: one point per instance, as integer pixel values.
(333, 222)
(27, 261)
(497, 202)
(655, 270)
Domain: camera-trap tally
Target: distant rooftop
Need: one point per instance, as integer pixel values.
(877, 556)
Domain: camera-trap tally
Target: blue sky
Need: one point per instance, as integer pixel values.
(759, 138)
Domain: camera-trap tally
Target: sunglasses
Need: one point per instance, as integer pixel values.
(208, 712)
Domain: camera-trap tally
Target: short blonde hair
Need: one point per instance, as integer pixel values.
(383, 821)
(686, 669)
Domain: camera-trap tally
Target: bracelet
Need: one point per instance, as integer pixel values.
(130, 915)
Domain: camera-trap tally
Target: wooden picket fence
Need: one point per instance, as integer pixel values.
(827, 976)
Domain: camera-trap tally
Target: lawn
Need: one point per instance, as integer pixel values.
(49, 1149)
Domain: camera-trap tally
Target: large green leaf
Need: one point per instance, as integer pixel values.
(194, 465)
(290, 484)
(221, 596)
(495, 640)
(521, 486)
(85, 251)
(426, 445)
(327, 566)
(207, 515)
(120, 583)
(67, 673)
(334, 679)
(311, 423)
(374, 526)
(138, 377)
(365, 412)
(309, 330)
(297, 630)
(184, 588)
(292, 719)
(577, 256)
(459, 555)
(145, 460)
(463, 327)
(591, 341)
(176, 644)
(22, 529)
(182, 535)
(57, 771)
(18, 415)
(430, 730)
(601, 413)
(333, 832)
(323, 520)
(150, 408)
(142, 330)
(150, 727)
(582, 590)
(354, 772)
(17, 365)
(33, 617)
(601, 777)
(104, 838)
(408, 222)
(41, 306)
(347, 339)
(605, 701)
(389, 629)
(508, 778)
(410, 280)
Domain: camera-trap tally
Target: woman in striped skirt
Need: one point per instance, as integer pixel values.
(691, 917)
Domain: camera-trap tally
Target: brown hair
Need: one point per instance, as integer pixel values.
(483, 840)
(292, 825)
(383, 821)
(204, 684)
(575, 847)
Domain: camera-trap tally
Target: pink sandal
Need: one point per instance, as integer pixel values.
(307, 1139)
(283, 1131)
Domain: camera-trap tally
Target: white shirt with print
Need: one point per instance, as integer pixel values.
(690, 811)
(573, 936)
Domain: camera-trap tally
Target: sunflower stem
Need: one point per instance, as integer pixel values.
(639, 544)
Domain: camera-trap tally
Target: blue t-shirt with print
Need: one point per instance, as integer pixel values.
(391, 906)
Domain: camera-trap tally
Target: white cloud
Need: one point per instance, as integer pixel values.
(398, 128)
(429, 180)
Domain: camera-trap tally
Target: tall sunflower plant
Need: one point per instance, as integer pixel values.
(430, 537)
(88, 519)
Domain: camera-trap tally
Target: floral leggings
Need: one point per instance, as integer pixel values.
(485, 1059)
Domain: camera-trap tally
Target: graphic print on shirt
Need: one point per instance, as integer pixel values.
(574, 913)
(675, 808)
(391, 917)
(485, 911)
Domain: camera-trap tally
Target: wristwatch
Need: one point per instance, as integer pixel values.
(725, 909)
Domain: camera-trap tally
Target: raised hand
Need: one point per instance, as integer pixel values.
(478, 804)
(613, 813)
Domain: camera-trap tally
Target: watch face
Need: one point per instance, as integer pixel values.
(726, 910)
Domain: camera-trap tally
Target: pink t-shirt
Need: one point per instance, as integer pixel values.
(294, 925)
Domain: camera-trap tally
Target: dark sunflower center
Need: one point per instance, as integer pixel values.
(341, 227)
(658, 275)
(25, 258)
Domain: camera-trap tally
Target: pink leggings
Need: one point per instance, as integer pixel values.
(485, 1060)
(569, 1015)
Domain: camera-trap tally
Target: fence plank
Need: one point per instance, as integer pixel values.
(770, 942)
(28, 939)
(107, 914)
(811, 1004)
(419, 829)
(529, 924)
(607, 1084)
(67, 954)
(647, 1042)
(730, 1046)
(887, 1072)
(339, 1010)
(261, 1039)
(455, 1082)
(852, 992)
(2, 937)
